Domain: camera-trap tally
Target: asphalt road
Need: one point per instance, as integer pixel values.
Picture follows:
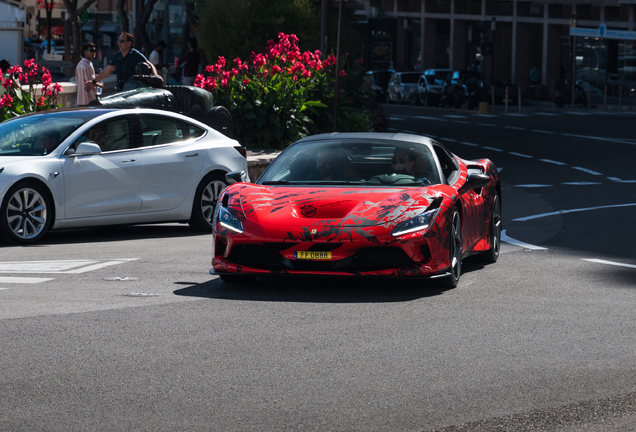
(123, 328)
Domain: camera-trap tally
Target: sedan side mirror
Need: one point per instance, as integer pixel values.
(236, 177)
(85, 148)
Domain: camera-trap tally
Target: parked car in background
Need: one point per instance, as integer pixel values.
(378, 80)
(55, 48)
(445, 75)
(404, 87)
(96, 166)
(430, 90)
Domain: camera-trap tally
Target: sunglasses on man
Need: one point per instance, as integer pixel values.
(91, 50)
(123, 41)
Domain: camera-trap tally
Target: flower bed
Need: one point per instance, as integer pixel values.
(282, 95)
(15, 100)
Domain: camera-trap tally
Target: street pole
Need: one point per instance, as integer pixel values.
(325, 26)
(337, 89)
(493, 28)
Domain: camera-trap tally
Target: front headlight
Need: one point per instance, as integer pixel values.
(227, 220)
(418, 223)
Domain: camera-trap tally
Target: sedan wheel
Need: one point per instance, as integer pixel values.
(496, 225)
(25, 213)
(455, 253)
(205, 202)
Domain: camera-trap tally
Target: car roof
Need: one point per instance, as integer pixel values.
(388, 136)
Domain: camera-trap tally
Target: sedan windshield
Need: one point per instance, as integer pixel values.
(353, 162)
(40, 134)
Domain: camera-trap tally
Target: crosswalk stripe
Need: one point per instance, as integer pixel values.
(21, 280)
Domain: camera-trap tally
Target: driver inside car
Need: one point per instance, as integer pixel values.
(407, 161)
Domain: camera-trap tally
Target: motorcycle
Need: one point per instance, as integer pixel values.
(454, 95)
(564, 96)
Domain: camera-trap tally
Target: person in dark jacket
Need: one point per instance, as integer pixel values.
(190, 63)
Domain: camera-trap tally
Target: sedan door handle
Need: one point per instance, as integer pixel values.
(129, 161)
(192, 155)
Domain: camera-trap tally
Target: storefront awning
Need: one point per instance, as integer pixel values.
(110, 28)
(88, 27)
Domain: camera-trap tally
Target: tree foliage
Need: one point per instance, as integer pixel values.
(236, 28)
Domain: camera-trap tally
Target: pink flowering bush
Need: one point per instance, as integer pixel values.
(16, 101)
(282, 95)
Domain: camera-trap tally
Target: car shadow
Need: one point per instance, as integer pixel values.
(314, 290)
(116, 233)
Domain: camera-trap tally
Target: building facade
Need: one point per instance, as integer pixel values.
(505, 39)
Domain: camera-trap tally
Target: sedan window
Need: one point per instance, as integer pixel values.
(158, 130)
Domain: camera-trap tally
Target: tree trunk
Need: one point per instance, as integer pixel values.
(72, 29)
(124, 22)
(142, 40)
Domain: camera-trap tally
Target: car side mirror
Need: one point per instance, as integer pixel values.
(476, 181)
(85, 148)
(236, 177)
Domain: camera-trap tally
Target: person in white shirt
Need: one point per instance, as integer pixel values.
(156, 56)
(85, 72)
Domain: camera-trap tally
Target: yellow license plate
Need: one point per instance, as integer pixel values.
(308, 255)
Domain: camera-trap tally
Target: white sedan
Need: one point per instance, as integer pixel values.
(94, 166)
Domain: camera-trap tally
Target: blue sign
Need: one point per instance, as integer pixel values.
(602, 32)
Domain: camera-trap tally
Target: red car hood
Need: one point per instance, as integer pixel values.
(299, 206)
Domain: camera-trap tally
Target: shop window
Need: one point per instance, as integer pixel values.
(529, 9)
(409, 6)
(624, 13)
(387, 5)
(612, 13)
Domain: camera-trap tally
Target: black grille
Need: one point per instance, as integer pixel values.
(258, 256)
(380, 258)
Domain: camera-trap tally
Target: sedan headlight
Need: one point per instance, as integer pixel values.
(227, 220)
(418, 223)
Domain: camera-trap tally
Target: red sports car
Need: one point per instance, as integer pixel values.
(359, 204)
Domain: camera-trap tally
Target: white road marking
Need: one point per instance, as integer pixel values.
(469, 144)
(589, 171)
(546, 114)
(616, 179)
(59, 267)
(510, 240)
(455, 116)
(448, 139)
(487, 124)
(560, 212)
(429, 118)
(552, 162)
(600, 138)
(494, 149)
(410, 132)
(461, 122)
(542, 131)
(3, 289)
(521, 155)
(517, 115)
(533, 185)
(581, 183)
(21, 280)
(581, 113)
(396, 118)
(600, 261)
(485, 115)
(514, 128)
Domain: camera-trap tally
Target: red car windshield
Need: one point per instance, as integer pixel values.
(354, 163)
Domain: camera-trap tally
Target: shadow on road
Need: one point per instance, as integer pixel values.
(115, 233)
(315, 290)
